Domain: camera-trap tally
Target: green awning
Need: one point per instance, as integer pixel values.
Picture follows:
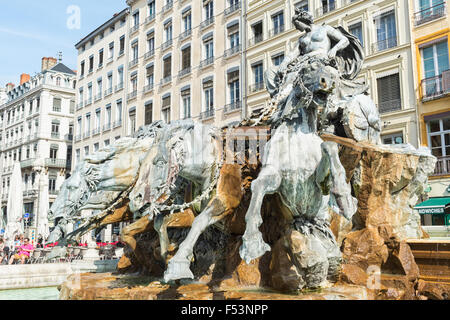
(434, 206)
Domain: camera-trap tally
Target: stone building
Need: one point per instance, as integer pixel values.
(36, 126)
(430, 46)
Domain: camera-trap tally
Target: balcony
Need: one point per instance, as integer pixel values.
(435, 12)
(78, 137)
(107, 126)
(390, 106)
(133, 63)
(88, 102)
(150, 18)
(55, 135)
(80, 105)
(68, 137)
(27, 163)
(442, 166)
(166, 44)
(276, 31)
(98, 97)
(436, 87)
(207, 62)
(87, 134)
(117, 123)
(207, 23)
(256, 39)
(232, 51)
(234, 106)
(384, 44)
(167, 7)
(326, 9)
(55, 163)
(166, 80)
(119, 87)
(108, 91)
(259, 86)
(232, 8)
(149, 54)
(134, 29)
(208, 114)
(121, 52)
(148, 87)
(185, 34)
(132, 95)
(184, 72)
(96, 131)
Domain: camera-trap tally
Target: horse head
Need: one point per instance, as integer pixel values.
(73, 193)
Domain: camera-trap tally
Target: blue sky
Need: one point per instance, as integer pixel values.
(32, 29)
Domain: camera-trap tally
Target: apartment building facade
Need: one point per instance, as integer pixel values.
(384, 31)
(185, 61)
(101, 86)
(36, 125)
(431, 41)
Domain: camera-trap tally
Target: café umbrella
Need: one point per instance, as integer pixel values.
(14, 224)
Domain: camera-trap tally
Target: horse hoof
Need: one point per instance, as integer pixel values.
(178, 270)
(253, 248)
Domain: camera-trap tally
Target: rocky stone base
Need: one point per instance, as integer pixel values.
(106, 286)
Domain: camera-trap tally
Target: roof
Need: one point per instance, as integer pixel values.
(433, 205)
(63, 68)
(94, 33)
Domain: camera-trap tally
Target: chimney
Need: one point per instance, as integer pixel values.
(48, 63)
(9, 86)
(24, 78)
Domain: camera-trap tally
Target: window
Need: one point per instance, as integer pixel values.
(82, 68)
(136, 19)
(57, 104)
(108, 116)
(110, 81)
(135, 51)
(151, 42)
(96, 146)
(86, 151)
(119, 111)
(52, 184)
(187, 21)
(258, 73)
(134, 83)
(55, 129)
(356, 30)
(58, 81)
(121, 45)
(99, 87)
(209, 49)
(439, 137)
(233, 36)
(149, 73)
(77, 155)
(208, 93)
(148, 113)
(132, 116)
(395, 138)
(186, 101)
(91, 64)
(302, 5)
(186, 58)
(209, 10)
(120, 76)
(111, 51)
(151, 8)
(388, 88)
(278, 59)
(165, 109)
(386, 31)
(97, 120)
(233, 86)
(168, 31)
(88, 124)
(278, 23)
(435, 61)
(100, 58)
(328, 5)
(167, 66)
(53, 153)
(90, 92)
(257, 30)
(430, 10)
(106, 143)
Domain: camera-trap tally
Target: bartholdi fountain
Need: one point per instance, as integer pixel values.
(300, 199)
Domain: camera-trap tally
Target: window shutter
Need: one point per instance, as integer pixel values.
(389, 93)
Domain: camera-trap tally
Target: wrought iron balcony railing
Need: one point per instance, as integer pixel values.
(232, 51)
(442, 166)
(432, 13)
(234, 7)
(208, 114)
(384, 44)
(206, 23)
(276, 30)
(207, 62)
(259, 86)
(149, 54)
(236, 105)
(150, 18)
(184, 72)
(436, 87)
(185, 34)
(132, 95)
(256, 39)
